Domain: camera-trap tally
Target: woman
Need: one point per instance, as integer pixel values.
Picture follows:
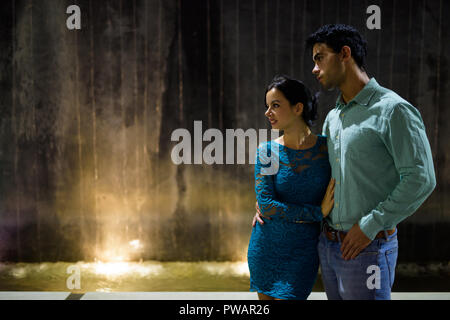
(282, 254)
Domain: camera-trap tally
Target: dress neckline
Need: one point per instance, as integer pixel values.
(315, 145)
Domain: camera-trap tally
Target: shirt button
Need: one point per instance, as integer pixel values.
(337, 159)
(337, 204)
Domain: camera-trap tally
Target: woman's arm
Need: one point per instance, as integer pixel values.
(270, 207)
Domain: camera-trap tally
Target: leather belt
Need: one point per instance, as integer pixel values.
(339, 236)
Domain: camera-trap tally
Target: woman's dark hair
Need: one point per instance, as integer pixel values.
(338, 35)
(295, 91)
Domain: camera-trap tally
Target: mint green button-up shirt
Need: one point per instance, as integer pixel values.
(381, 159)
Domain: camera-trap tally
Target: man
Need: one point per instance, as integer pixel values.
(381, 159)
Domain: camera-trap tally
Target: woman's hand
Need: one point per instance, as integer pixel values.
(258, 216)
(328, 199)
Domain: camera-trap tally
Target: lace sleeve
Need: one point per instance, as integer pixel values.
(270, 206)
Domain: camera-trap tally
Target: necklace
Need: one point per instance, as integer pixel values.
(306, 143)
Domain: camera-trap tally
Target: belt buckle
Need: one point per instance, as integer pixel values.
(327, 229)
(332, 232)
(334, 235)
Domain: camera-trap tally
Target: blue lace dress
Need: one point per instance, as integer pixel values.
(282, 254)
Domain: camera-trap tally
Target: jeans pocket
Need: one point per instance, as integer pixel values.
(371, 250)
(366, 258)
(391, 261)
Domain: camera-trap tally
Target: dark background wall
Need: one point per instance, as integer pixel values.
(87, 116)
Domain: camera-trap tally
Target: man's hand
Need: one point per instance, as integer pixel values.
(258, 216)
(328, 199)
(355, 241)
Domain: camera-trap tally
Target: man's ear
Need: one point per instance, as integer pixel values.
(346, 53)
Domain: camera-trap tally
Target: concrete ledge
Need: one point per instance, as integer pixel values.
(420, 295)
(33, 295)
(27, 295)
(239, 296)
(170, 296)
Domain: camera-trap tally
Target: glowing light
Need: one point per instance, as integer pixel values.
(135, 244)
(117, 251)
(112, 256)
(118, 269)
(226, 268)
(241, 268)
(19, 273)
(112, 268)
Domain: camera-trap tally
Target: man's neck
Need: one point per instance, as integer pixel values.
(354, 82)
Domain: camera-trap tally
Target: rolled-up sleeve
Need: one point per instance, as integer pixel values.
(406, 140)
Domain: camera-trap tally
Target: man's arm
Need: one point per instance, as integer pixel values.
(325, 126)
(406, 141)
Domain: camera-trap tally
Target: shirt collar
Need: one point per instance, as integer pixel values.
(363, 97)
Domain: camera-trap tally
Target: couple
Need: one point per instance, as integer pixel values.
(337, 197)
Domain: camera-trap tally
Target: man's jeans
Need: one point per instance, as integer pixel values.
(367, 277)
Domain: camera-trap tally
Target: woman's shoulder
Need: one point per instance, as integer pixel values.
(322, 142)
(264, 144)
(322, 138)
(268, 143)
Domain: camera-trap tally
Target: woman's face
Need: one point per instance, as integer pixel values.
(280, 112)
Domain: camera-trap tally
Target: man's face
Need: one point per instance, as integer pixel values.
(328, 67)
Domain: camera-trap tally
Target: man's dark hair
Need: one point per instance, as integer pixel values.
(338, 35)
